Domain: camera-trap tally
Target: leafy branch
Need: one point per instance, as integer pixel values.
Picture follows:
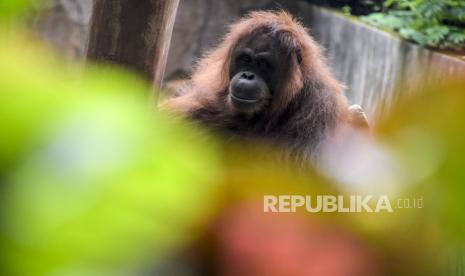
(430, 23)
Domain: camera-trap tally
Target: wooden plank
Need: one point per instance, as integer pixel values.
(134, 34)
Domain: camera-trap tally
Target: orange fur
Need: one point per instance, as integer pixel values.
(318, 99)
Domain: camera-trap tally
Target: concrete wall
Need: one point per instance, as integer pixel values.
(375, 65)
(64, 25)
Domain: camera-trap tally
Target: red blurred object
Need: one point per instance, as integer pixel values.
(254, 243)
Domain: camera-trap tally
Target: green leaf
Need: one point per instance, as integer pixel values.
(9, 7)
(436, 34)
(414, 35)
(456, 37)
(431, 9)
(385, 21)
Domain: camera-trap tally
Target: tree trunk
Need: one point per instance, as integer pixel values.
(135, 34)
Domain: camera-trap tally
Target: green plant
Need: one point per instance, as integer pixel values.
(431, 23)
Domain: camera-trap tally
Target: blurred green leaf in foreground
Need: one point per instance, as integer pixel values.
(10, 8)
(93, 182)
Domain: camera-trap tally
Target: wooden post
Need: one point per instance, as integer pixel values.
(133, 33)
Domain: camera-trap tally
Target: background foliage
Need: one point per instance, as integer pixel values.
(355, 7)
(432, 23)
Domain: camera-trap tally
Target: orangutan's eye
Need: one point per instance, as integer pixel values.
(244, 59)
(264, 65)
